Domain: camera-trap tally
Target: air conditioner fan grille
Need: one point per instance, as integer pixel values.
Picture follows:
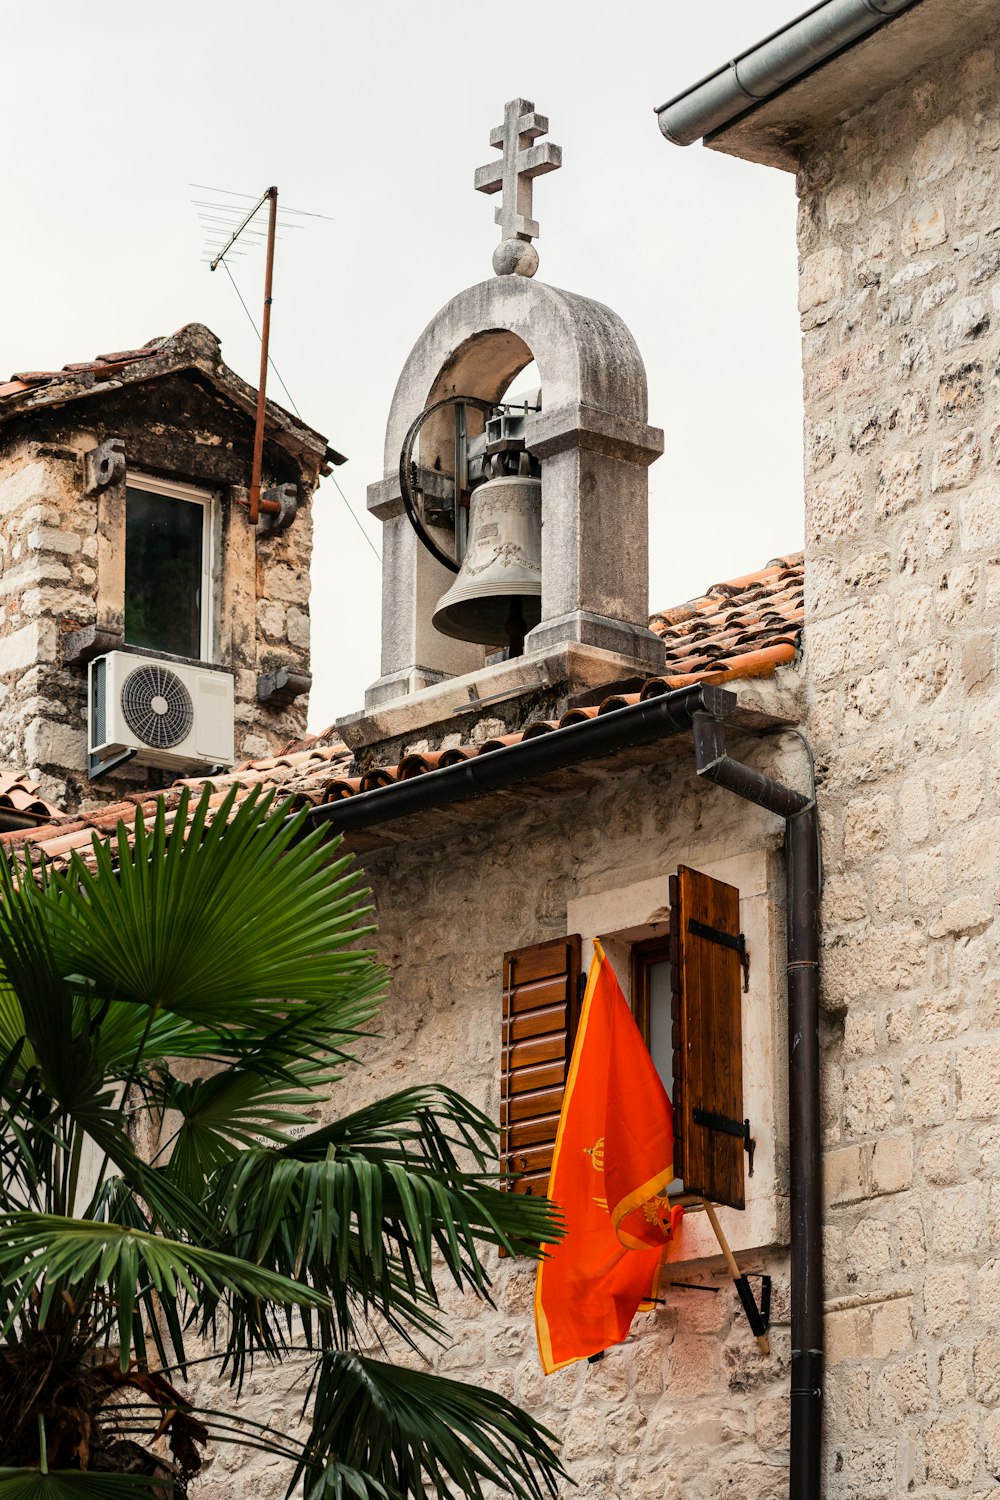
(157, 706)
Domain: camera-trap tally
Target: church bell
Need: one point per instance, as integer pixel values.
(497, 597)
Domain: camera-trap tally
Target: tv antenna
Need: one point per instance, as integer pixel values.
(217, 217)
(256, 504)
(231, 229)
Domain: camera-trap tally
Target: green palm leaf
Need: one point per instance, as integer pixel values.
(66, 1484)
(227, 941)
(231, 1110)
(370, 1206)
(340, 1482)
(415, 1433)
(263, 912)
(52, 1251)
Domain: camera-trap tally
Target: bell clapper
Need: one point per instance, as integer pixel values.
(516, 627)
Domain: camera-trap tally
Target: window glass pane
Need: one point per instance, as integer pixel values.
(660, 1028)
(164, 539)
(661, 1048)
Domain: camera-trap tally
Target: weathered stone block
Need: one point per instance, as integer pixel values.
(821, 279)
(870, 1101)
(887, 958)
(956, 462)
(959, 1221)
(54, 539)
(953, 1380)
(950, 1447)
(940, 149)
(926, 1081)
(835, 507)
(900, 483)
(924, 227)
(980, 518)
(902, 1388)
(946, 1300)
(923, 676)
(960, 389)
(874, 1330)
(977, 1082)
(912, 1241)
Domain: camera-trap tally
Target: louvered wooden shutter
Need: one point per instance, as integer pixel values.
(541, 1005)
(707, 975)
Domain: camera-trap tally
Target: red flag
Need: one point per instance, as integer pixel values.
(611, 1166)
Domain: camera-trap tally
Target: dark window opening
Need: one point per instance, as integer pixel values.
(164, 567)
(653, 1010)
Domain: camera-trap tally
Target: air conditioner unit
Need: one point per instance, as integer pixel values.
(171, 715)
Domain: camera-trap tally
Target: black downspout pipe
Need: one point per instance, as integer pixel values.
(805, 1163)
(804, 1154)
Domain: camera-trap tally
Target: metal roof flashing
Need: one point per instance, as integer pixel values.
(828, 63)
(610, 736)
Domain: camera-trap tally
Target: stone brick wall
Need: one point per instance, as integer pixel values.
(900, 301)
(686, 1407)
(62, 570)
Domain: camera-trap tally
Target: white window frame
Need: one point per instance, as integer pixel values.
(208, 500)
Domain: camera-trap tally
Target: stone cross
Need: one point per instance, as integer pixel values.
(522, 161)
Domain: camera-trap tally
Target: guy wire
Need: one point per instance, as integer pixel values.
(291, 402)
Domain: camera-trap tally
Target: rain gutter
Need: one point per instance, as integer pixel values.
(771, 65)
(702, 710)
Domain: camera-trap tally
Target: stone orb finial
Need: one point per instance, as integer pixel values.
(515, 258)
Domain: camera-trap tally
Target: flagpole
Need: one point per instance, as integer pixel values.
(742, 1286)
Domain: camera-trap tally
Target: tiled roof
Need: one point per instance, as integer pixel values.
(102, 367)
(741, 629)
(19, 795)
(193, 347)
(734, 621)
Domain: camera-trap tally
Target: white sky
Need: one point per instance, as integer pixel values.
(377, 113)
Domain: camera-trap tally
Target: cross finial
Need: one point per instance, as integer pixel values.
(522, 161)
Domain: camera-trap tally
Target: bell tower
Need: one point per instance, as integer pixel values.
(515, 527)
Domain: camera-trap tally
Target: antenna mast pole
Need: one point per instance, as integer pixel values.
(255, 503)
(265, 335)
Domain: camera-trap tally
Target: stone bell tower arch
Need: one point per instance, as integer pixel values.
(591, 437)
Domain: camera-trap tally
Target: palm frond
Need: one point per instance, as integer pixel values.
(210, 920)
(231, 1110)
(338, 1481)
(370, 1207)
(416, 1433)
(70, 1484)
(55, 1252)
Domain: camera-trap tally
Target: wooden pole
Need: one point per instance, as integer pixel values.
(734, 1270)
(265, 335)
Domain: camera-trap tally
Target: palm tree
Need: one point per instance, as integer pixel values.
(158, 1208)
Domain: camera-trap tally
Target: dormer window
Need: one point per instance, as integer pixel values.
(168, 568)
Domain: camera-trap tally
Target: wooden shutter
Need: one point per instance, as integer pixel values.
(707, 974)
(541, 1006)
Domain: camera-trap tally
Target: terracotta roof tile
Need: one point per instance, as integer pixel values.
(19, 794)
(747, 627)
(104, 364)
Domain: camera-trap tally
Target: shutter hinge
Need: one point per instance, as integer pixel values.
(727, 1126)
(737, 943)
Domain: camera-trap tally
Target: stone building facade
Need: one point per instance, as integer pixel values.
(900, 292)
(896, 143)
(172, 419)
(897, 149)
